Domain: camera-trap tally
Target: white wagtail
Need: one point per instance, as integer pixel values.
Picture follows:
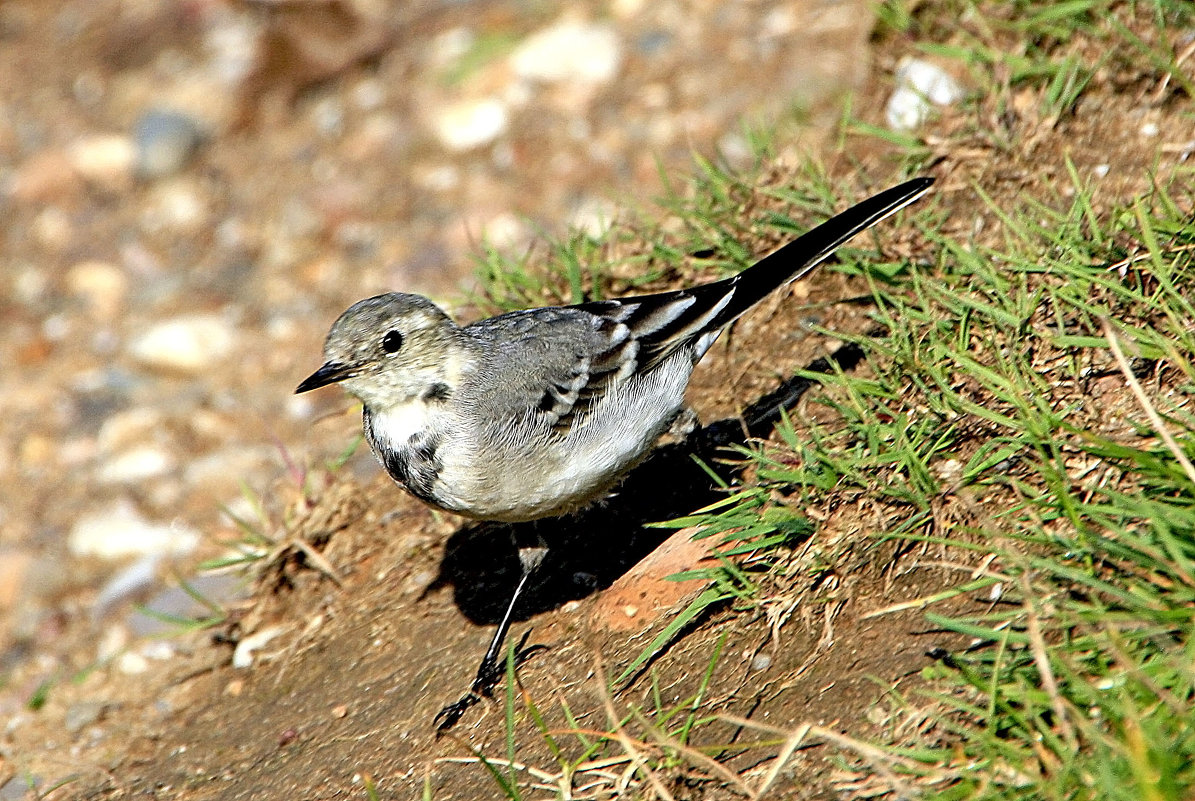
(537, 413)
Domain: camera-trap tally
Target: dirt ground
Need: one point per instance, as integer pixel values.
(312, 192)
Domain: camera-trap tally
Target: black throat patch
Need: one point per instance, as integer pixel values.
(414, 464)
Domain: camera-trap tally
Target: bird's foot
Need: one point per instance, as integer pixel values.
(489, 674)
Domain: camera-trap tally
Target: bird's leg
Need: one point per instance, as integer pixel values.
(489, 671)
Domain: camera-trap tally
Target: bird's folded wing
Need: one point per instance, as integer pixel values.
(555, 363)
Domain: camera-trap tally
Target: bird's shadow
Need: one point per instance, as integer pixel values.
(590, 549)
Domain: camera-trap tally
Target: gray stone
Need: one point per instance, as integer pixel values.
(165, 141)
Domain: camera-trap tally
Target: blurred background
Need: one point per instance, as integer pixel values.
(193, 190)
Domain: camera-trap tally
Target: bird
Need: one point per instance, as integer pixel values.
(538, 413)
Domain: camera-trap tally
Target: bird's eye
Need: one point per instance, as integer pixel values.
(392, 342)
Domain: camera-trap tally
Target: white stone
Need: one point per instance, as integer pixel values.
(105, 160)
(226, 467)
(592, 215)
(138, 464)
(569, 50)
(126, 585)
(131, 663)
(175, 206)
(119, 532)
(919, 85)
(471, 123)
(101, 284)
(130, 427)
(53, 229)
(189, 344)
(445, 48)
(242, 656)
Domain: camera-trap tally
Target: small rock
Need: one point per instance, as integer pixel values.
(132, 663)
(104, 160)
(119, 532)
(82, 714)
(369, 94)
(761, 662)
(242, 657)
(918, 85)
(136, 465)
(177, 207)
(102, 285)
(592, 215)
(186, 344)
(53, 229)
(569, 50)
(113, 641)
(471, 123)
(225, 469)
(446, 48)
(165, 142)
(130, 427)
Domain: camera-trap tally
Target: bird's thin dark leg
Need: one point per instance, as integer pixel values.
(489, 671)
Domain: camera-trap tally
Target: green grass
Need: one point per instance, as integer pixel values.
(979, 410)
(979, 428)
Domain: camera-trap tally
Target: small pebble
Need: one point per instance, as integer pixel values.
(53, 229)
(190, 344)
(20, 788)
(165, 141)
(918, 85)
(82, 714)
(104, 160)
(132, 663)
(136, 465)
(176, 207)
(101, 284)
(471, 123)
(120, 531)
(127, 584)
(569, 50)
(47, 177)
(242, 657)
(131, 427)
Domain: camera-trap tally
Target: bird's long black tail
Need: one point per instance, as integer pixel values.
(666, 321)
(799, 257)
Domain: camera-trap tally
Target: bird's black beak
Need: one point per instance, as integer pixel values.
(330, 373)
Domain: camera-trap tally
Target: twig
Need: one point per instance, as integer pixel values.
(1037, 644)
(1155, 419)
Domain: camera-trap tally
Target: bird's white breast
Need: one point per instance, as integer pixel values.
(394, 426)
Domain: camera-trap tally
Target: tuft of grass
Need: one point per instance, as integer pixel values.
(655, 750)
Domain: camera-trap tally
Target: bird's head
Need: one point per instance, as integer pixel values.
(389, 349)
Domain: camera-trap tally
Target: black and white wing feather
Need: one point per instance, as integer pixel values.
(569, 357)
